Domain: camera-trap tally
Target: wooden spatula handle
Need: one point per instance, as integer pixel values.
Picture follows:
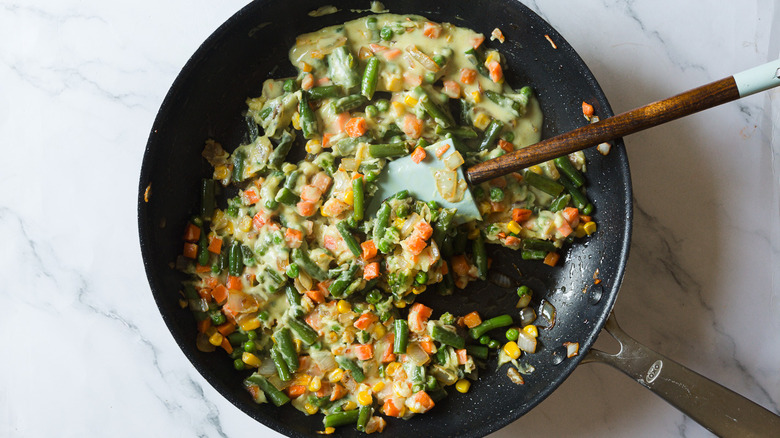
(656, 113)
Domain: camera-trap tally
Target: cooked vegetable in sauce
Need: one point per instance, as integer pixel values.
(316, 299)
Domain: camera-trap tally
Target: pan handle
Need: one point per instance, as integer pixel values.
(720, 410)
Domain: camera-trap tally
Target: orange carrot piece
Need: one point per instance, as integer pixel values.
(307, 83)
(497, 206)
(227, 328)
(356, 127)
(413, 126)
(496, 73)
(512, 241)
(551, 259)
(365, 320)
(415, 243)
(371, 271)
(204, 325)
(369, 249)
(418, 316)
(251, 196)
(220, 293)
(226, 345)
(391, 54)
(191, 233)
(442, 150)
(468, 75)
(451, 89)
(431, 30)
(234, 283)
(477, 41)
(331, 243)
(338, 392)
(521, 214)
(376, 48)
(472, 319)
(463, 356)
(388, 355)
(505, 145)
(427, 345)
(423, 400)
(364, 351)
(571, 214)
(316, 296)
(306, 208)
(326, 139)
(460, 265)
(565, 229)
(587, 109)
(215, 245)
(341, 121)
(295, 391)
(585, 218)
(390, 409)
(418, 155)
(293, 237)
(190, 250)
(499, 182)
(202, 268)
(424, 230)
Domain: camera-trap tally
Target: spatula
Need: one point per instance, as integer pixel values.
(418, 178)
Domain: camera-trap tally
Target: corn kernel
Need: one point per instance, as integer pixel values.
(512, 350)
(397, 108)
(221, 172)
(589, 227)
(536, 169)
(531, 330)
(298, 345)
(349, 197)
(216, 339)
(400, 304)
(463, 386)
(378, 386)
(343, 306)
(513, 227)
(393, 82)
(322, 211)
(250, 359)
(481, 121)
(417, 290)
(391, 368)
(579, 232)
(332, 337)
(296, 120)
(245, 224)
(314, 146)
(335, 375)
(492, 56)
(315, 384)
(379, 331)
(410, 100)
(302, 380)
(349, 406)
(250, 324)
(398, 223)
(329, 430)
(484, 208)
(310, 408)
(476, 96)
(364, 398)
(305, 66)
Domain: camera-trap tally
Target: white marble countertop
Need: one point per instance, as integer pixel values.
(82, 81)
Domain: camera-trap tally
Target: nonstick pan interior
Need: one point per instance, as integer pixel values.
(207, 101)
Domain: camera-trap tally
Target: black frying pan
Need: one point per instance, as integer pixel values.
(207, 100)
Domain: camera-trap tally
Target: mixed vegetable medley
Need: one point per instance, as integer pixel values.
(316, 299)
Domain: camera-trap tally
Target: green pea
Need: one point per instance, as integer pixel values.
(382, 105)
(496, 194)
(421, 277)
(494, 344)
(293, 270)
(512, 334)
(402, 211)
(439, 60)
(239, 364)
(249, 346)
(386, 33)
(263, 316)
(251, 334)
(433, 205)
(523, 290)
(429, 77)
(485, 340)
(372, 111)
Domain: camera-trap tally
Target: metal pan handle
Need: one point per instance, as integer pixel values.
(720, 410)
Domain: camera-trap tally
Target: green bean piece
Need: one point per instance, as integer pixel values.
(277, 397)
(237, 338)
(401, 333)
(370, 78)
(303, 261)
(304, 331)
(386, 150)
(358, 207)
(539, 244)
(289, 85)
(352, 367)
(480, 256)
(533, 254)
(588, 209)
(349, 239)
(349, 103)
(341, 68)
(543, 183)
(284, 342)
(238, 166)
(251, 127)
(276, 158)
(235, 259)
(478, 351)
(342, 282)
(280, 364)
(443, 223)
(439, 114)
(324, 92)
(507, 103)
(578, 198)
(490, 324)
(203, 247)
(364, 414)
(458, 131)
(565, 165)
(293, 297)
(476, 59)
(491, 134)
(382, 221)
(308, 119)
(207, 199)
(341, 418)
(447, 337)
(560, 202)
(286, 196)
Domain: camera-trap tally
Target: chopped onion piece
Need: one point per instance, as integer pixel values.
(526, 342)
(527, 316)
(515, 376)
(572, 348)
(453, 160)
(446, 181)
(548, 311)
(417, 355)
(604, 148)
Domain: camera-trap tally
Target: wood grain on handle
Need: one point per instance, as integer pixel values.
(689, 102)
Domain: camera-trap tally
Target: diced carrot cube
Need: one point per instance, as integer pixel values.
(226, 345)
(587, 109)
(391, 54)
(331, 243)
(412, 126)
(512, 241)
(415, 243)
(477, 41)
(431, 30)
(472, 319)
(371, 271)
(390, 409)
(226, 328)
(468, 75)
(424, 229)
(341, 121)
(369, 249)
(521, 214)
(418, 316)
(321, 181)
(310, 193)
(442, 150)
(190, 250)
(220, 293)
(234, 283)
(505, 145)
(307, 83)
(191, 232)
(460, 265)
(572, 215)
(365, 320)
(259, 220)
(565, 229)
(551, 259)
(418, 155)
(427, 345)
(215, 245)
(463, 356)
(306, 208)
(423, 401)
(497, 206)
(338, 392)
(451, 89)
(364, 351)
(295, 391)
(356, 127)
(316, 296)
(250, 196)
(496, 73)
